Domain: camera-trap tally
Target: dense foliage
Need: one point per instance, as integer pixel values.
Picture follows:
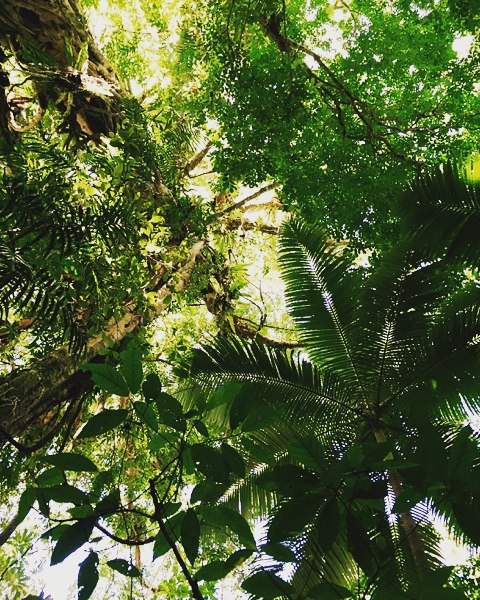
(239, 297)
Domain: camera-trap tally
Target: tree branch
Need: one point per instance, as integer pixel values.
(240, 203)
(197, 159)
(171, 542)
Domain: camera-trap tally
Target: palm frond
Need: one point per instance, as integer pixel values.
(282, 378)
(321, 291)
(441, 213)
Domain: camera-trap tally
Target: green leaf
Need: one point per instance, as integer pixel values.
(108, 503)
(206, 490)
(267, 585)
(70, 461)
(293, 516)
(261, 416)
(170, 412)
(463, 454)
(224, 394)
(132, 369)
(222, 516)
(288, 480)
(328, 591)
(107, 378)
(160, 440)
(308, 451)
(27, 500)
(81, 512)
(152, 387)
(210, 462)
(238, 558)
(360, 545)
(87, 576)
(234, 460)
(146, 414)
(124, 567)
(103, 422)
(217, 569)
(407, 500)
(63, 493)
(52, 476)
(328, 524)
(55, 532)
(279, 552)
(71, 539)
(190, 535)
(173, 525)
(201, 427)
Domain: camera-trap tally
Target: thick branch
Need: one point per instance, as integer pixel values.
(240, 203)
(197, 159)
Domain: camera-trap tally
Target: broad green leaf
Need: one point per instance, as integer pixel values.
(207, 490)
(224, 394)
(328, 591)
(288, 480)
(160, 440)
(233, 459)
(63, 493)
(103, 422)
(238, 558)
(210, 462)
(124, 567)
(152, 387)
(87, 576)
(407, 500)
(108, 503)
(70, 461)
(222, 516)
(107, 378)
(49, 477)
(261, 416)
(217, 569)
(463, 454)
(188, 464)
(71, 539)
(27, 500)
(468, 520)
(170, 412)
(360, 545)
(293, 516)
(54, 533)
(308, 451)
(328, 524)
(146, 414)
(132, 369)
(200, 427)
(267, 585)
(173, 525)
(81, 512)
(190, 535)
(279, 552)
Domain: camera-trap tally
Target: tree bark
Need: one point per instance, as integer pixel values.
(55, 379)
(56, 29)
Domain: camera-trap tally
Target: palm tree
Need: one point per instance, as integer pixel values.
(360, 438)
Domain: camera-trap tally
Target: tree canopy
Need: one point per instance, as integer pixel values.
(239, 296)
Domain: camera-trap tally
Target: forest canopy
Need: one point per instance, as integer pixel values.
(239, 299)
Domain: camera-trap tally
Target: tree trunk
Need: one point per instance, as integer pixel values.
(55, 32)
(54, 380)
